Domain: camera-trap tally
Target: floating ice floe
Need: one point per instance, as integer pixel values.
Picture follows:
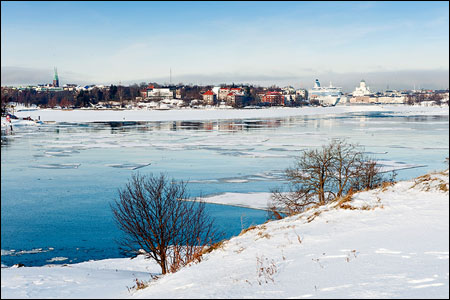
(253, 154)
(266, 176)
(58, 153)
(14, 252)
(236, 180)
(57, 166)
(128, 166)
(389, 166)
(58, 258)
(204, 181)
(249, 200)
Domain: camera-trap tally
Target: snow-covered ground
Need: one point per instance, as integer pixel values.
(83, 115)
(391, 242)
(109, 278)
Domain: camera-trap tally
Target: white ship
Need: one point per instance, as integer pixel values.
(327, 96)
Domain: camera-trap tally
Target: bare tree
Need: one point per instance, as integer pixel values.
(369, 175)
(154, 216)
(308, 182)
(323, 175)
(348, 164)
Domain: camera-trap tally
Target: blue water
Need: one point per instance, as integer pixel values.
(58, 181)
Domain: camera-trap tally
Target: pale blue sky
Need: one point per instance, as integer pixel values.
(212, 42)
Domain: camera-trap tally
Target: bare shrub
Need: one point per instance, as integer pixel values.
(322, 175)
(341, 202)
(215, 246)
(152, 214)
(265, 270)
(247, 229)
(139, 285)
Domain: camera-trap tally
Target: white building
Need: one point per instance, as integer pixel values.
(301, 93)
(288, 90)
(215, 90)
(362, 90)
(160, 93)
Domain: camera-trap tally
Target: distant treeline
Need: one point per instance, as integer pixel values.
(421, 97)
(68, 98)
(72, 97)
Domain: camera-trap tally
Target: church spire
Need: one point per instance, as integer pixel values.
(56, 79)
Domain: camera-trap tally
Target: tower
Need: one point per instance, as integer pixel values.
(56, 79)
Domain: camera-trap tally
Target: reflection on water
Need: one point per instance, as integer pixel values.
(58, 179)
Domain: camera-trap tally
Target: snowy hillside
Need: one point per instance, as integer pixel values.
(390, 242)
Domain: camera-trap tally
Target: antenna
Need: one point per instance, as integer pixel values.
(170, 80)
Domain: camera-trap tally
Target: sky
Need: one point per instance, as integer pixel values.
(395, 44)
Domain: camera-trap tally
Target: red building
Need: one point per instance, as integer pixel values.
(273, 98)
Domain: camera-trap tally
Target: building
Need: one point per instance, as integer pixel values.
(288, 90)
(179, 93)
(362, 94)
(56, 79)
(272, 98)
(234, 99)
(225, 91)
(301, 94)
(70, 87)
(209, 98)
(363, 99)
(152, 93)
(362, 90)
(394, 99)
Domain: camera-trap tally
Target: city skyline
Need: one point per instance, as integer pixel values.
(288, 43)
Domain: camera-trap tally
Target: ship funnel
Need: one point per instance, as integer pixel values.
(317, 83)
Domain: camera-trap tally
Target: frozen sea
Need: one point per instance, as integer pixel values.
(57, 180)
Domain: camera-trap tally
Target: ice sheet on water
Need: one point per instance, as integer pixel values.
(266, 176)
(278, 149)
(236, 180)
(59, 152)
(226, 148)
(374, 152)
(389, 165)
(384, 129)
(204, 181)
(129, 166)
(58, 258)
(14, 252)
(57, 166)
(253, 154)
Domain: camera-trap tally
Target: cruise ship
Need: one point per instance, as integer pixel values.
(327, 96)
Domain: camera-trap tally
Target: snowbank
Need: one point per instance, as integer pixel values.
(392, 242)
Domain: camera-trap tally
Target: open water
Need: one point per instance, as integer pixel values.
(58, 180)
